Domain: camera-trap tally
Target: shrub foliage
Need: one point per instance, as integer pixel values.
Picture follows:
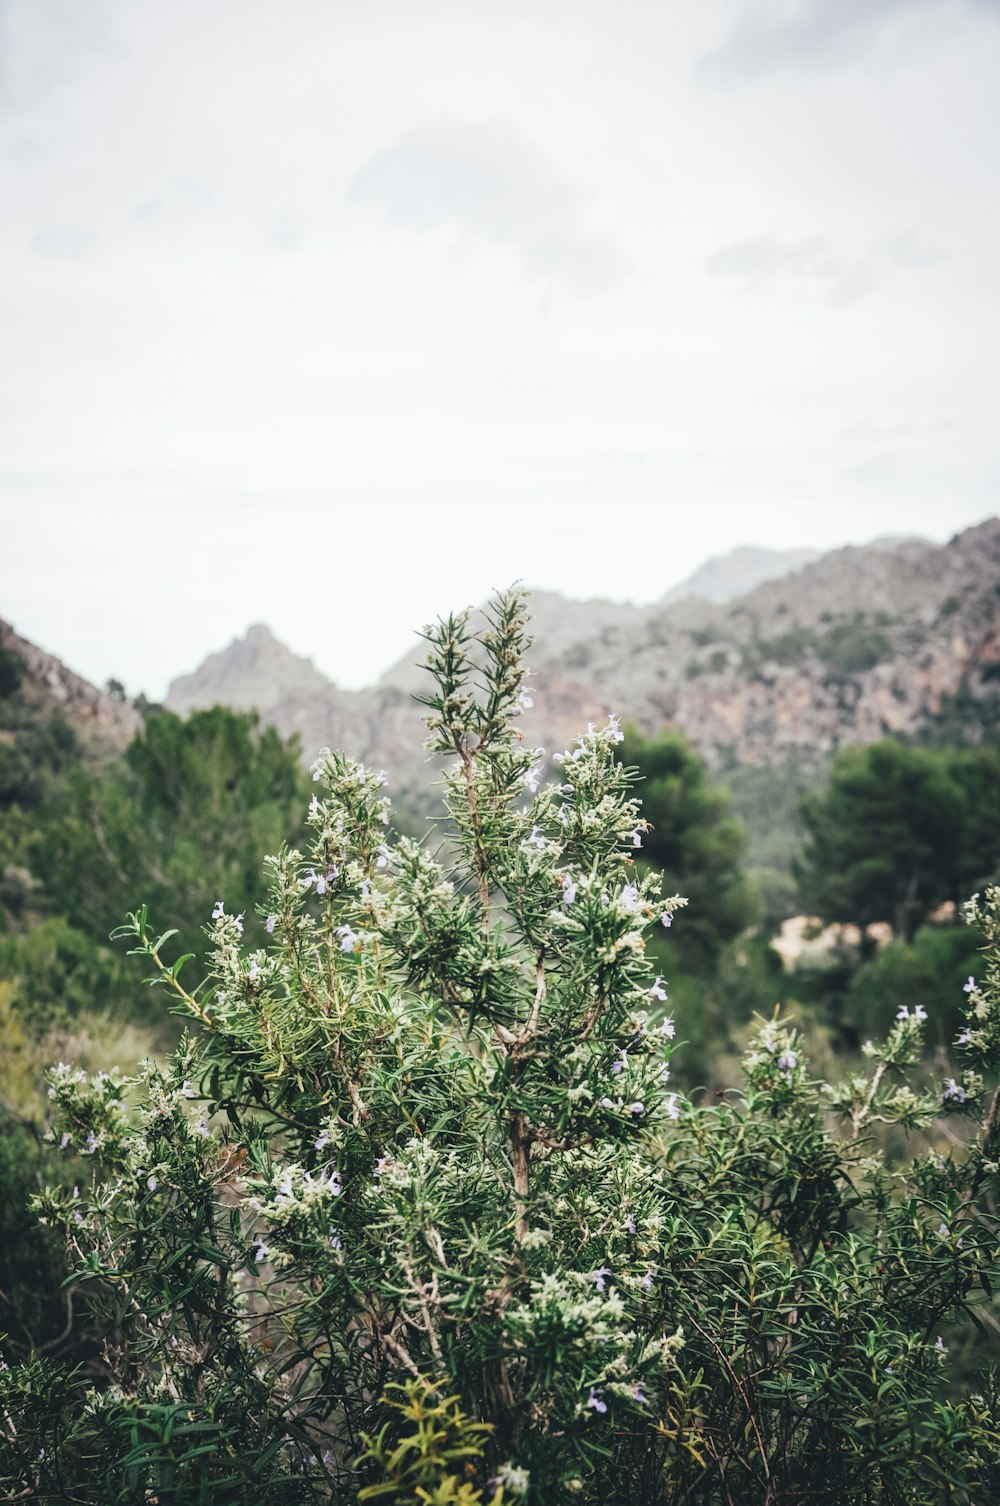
(414, 1215)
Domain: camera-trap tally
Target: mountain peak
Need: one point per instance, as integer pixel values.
(727, 576)
(253, 673)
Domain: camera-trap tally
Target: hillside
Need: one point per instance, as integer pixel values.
(847, 648)
(47, 688)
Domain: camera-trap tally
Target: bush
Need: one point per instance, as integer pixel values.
(424, 1138)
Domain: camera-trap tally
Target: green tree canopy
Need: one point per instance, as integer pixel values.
(695, 841)
(899, 830)
(183, 817)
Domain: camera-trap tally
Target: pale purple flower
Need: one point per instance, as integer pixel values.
(536, 840)
(261, 1251)
(647, 1282)
(953, 1092)
(238, 923)
(152, 1183)
(919, 1013)
(532, 777)
(607, 1103)
(940, 1345)
(964, 1036)
(672, 1108)
(64, 1140)
(667, 919)
(316, 770)
(614, 725)
(187, 1090)
(629, 898)
(335, 1242)
(525, 701)
(667, 1028)
(203, 1129)
(637, 837)
(91, 1142)
(349, 939)
(637, 1109)
(383, 856)
(365, 888)
(598, 1277)
(630, 1225)
(595, 1400)
(381, 1165)
(621, 1063)
(270, 923)
(569, 891)
(322, 1140)
(943, 1231)
(253, 971)
(638, 1394)
(220, 997)
(665, 1073)
(658, 990)
(77, 1216)
(219, 910)
(314, 806)
(787, 1061)
(970, 986)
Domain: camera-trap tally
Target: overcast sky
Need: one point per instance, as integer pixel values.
(336, 313)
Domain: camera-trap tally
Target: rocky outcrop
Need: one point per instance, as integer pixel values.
(103, 722)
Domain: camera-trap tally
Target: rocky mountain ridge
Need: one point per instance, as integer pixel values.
(848, 647)
(104, 723)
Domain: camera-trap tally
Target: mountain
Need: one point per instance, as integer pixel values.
(47, 687)
(255, 673)
(847, 647)
(726, 576)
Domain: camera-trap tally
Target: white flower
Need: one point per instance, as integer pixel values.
(658, 989)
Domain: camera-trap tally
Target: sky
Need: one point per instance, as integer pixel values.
(336, 315)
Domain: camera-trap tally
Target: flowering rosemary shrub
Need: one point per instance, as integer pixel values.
(415, 1216)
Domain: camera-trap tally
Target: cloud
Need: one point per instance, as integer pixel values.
(63, 243)
(771, 35)
(817, 264)
(492, 188)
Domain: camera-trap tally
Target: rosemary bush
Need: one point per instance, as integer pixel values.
(413, 1214)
